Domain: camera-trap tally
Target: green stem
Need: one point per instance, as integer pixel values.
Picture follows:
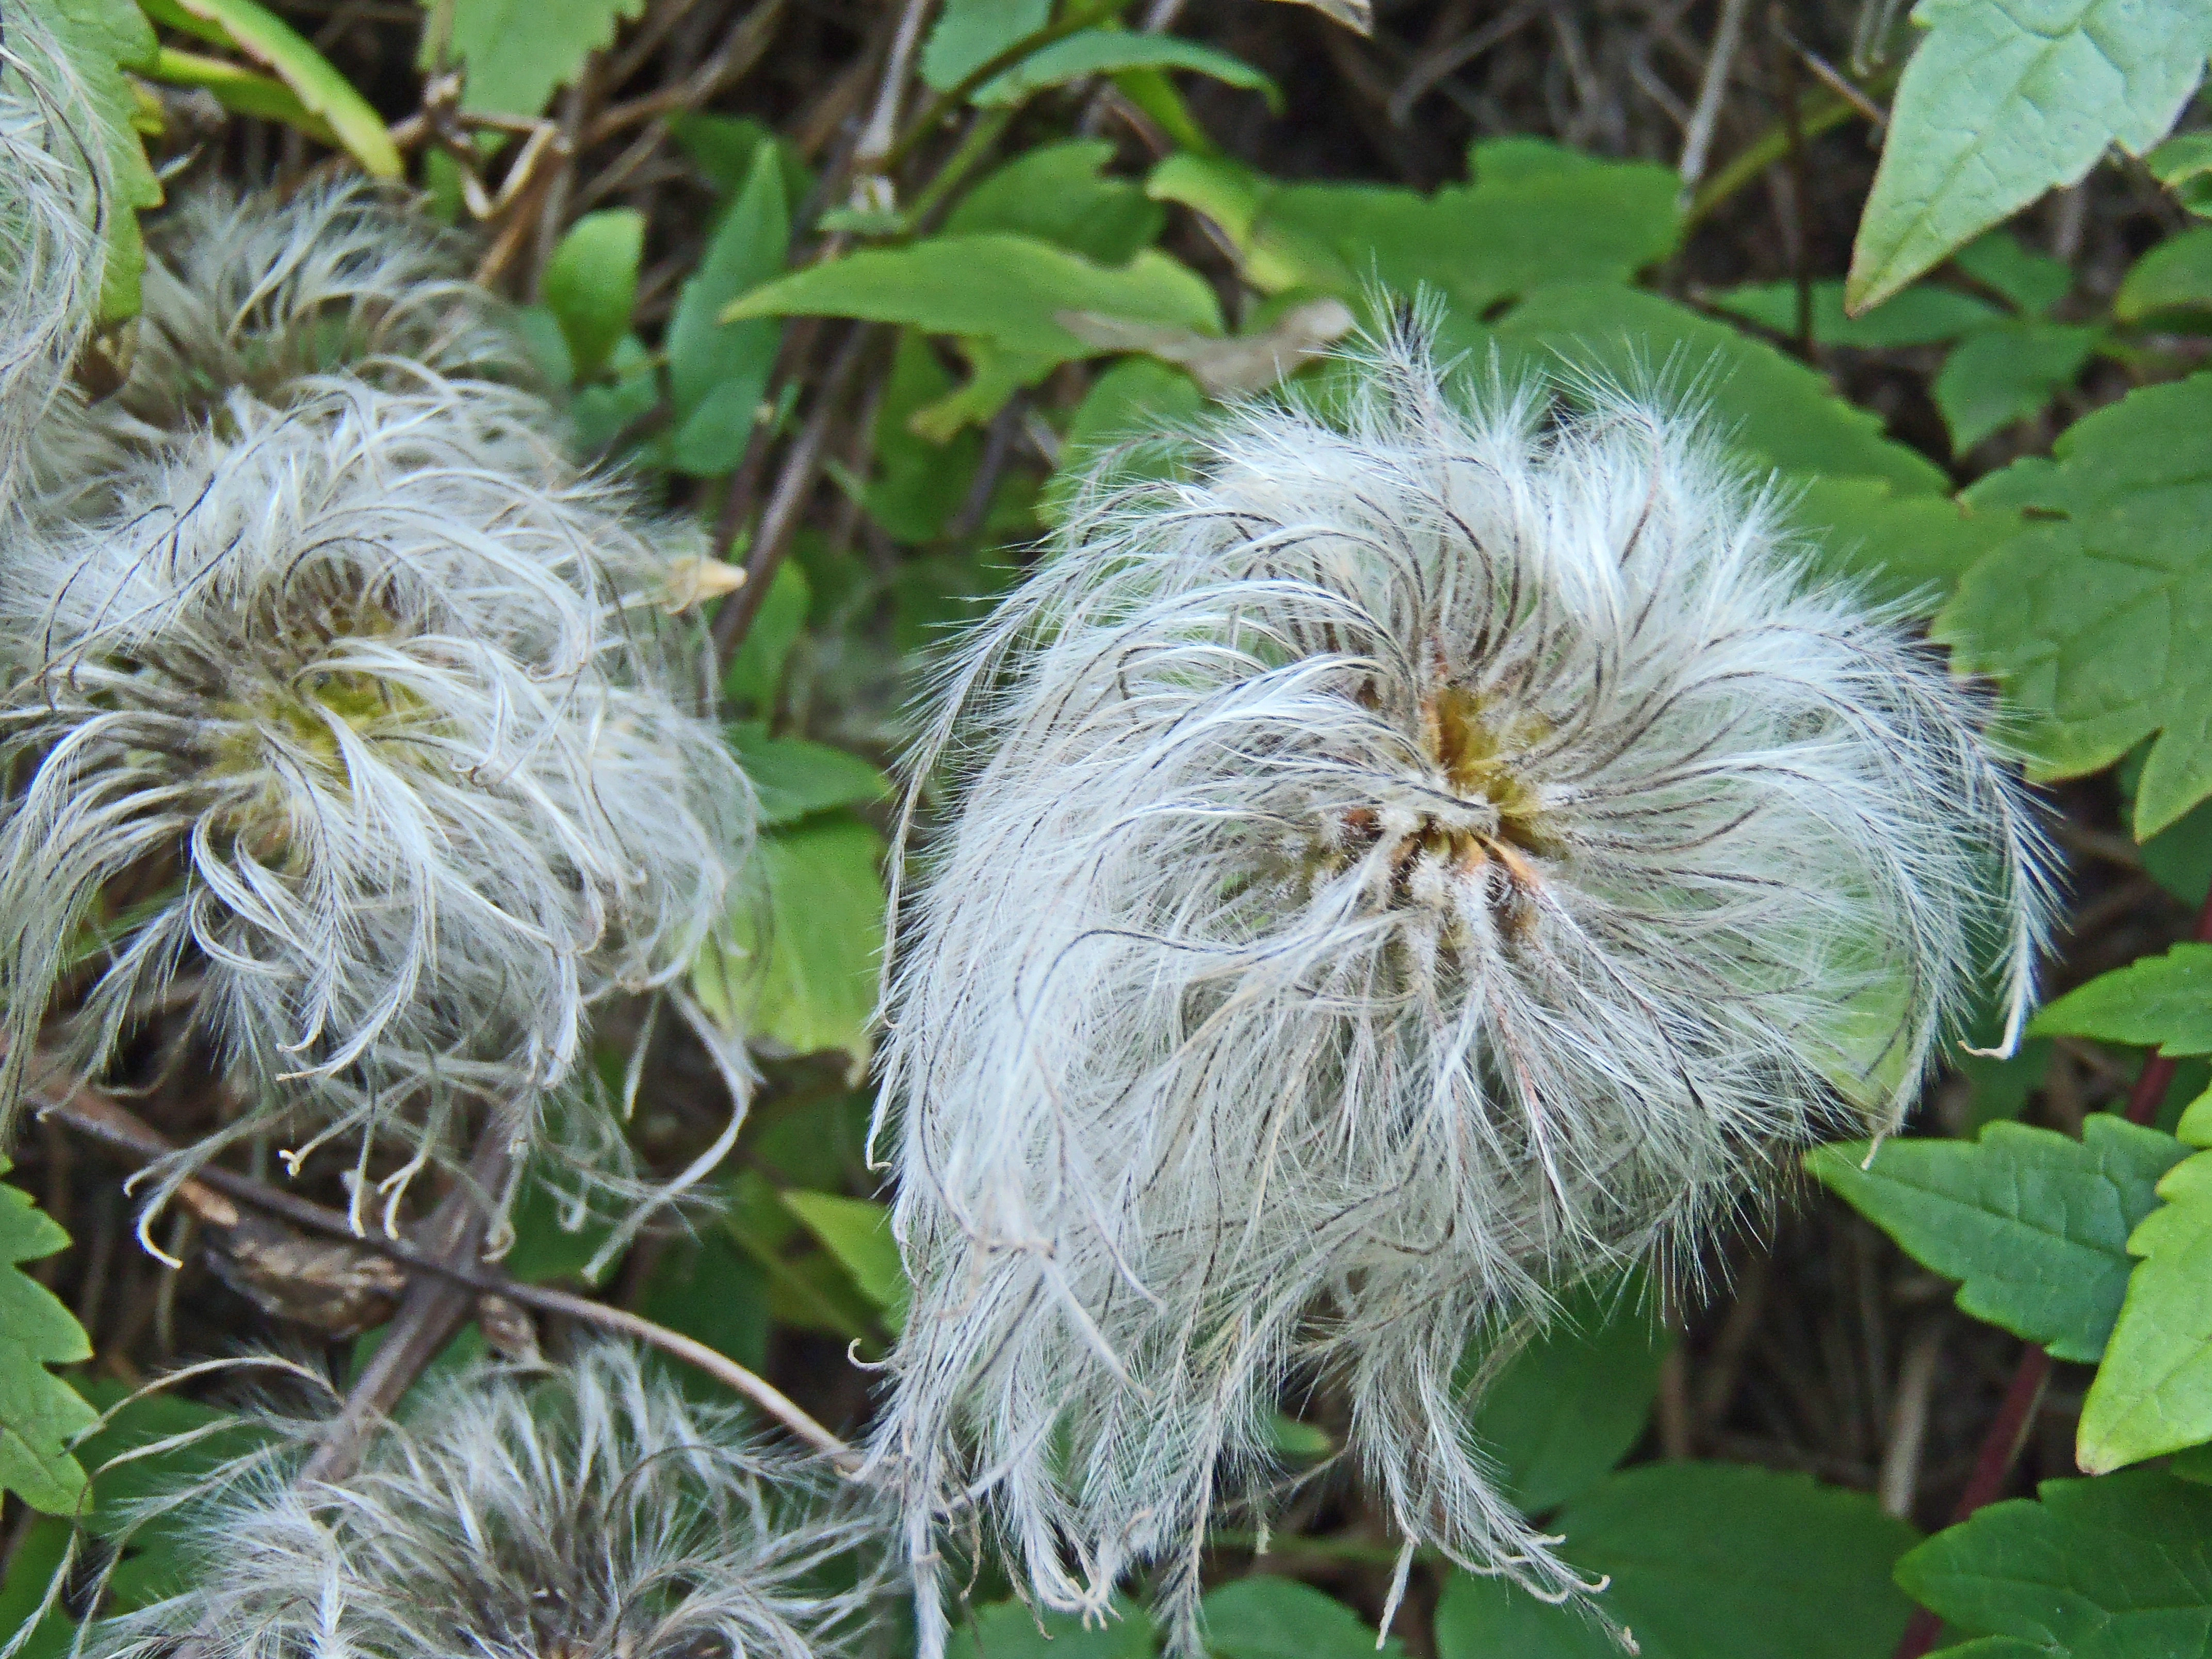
(1771, 146)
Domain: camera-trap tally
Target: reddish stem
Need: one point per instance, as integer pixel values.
(2009, 1430)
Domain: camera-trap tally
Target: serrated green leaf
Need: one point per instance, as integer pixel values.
(266, 39)
(2153, 1394)
(1012, 1630)
(1901, 544)
(2033, 1224)
(1574, 1401)
(1007, 289)
(717, 371)
(2184, 165)
(1778, 411)
(2003, 102)
(1268, 1618)
(969, 34)
(1103, 52)
(857, 1231)
(1707, 1561)
(2007, 374)
(2172, 275)
(518, 53)
(102, 39)
(590, 284)
(806, 976)
(1921, 315)
(2120, 1568)
(39, 1414)
(2162, 1002)
(1058, 193)
(2089, 616)
(794, 779)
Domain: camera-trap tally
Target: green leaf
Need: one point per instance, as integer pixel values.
(239, 89)
(1514, 228)
(711, 1291)
(2003, 102)
(30, 1569)
(1057, 193)
(1268, 1618)
(1101, 51)
(995, 287)
(1780, 411)
(969, 34)
(2007, 374)
(717, 371)
(39, 1414)
(266, 39)
(2173, 276)
(2033, 1224)
(1903, 545)
(590, 284)
(794, 779)
(517, 53)
(2090, 615)
(807, 977)
(995, 374)
(1011, 1630)
(1574, 1400)
(2034, 282)
(631, 390)
(756, 671)
(918, 485)
(2184, 165)
(100, 39)
(1921, 315)
(1137, 398)
(857, 1231)
(2162, 1002)
(2120, 1568)
(2154, 1392)
(1708, 1561)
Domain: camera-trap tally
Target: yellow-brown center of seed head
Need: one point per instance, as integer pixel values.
(1478, 753)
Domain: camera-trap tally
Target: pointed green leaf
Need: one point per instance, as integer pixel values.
(2090, 615)
(2173, 276)
(717, 371)
(1059, 193)
(1264, 1617)
(1103, 51)
(2120, 1568)
(2002, 101)
(2033, 1224)
(969, 34)
(39, 1414)
(858, 1232)
(2184, 165)
(2153, 1394)
(2007, 374)
(793, 779)
(1007, 289)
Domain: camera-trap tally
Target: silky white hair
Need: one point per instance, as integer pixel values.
(52, 200)
(593, 1513)
(1448, 848)
(401, 762)
(269, 294)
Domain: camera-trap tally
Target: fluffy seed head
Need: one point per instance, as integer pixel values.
(397, 760)
(595, 1513)
(1449, 849)
(265, 295)
(52, 193)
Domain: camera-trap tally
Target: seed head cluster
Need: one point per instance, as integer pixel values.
(593, 1513)
(1449, 847)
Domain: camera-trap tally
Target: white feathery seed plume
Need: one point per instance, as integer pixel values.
(592, 1513)
(386, 763)
(267, 295)
(51, 198)
(1450, 847)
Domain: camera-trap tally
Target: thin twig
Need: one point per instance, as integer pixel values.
(1705, 114)
(99, 1118)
